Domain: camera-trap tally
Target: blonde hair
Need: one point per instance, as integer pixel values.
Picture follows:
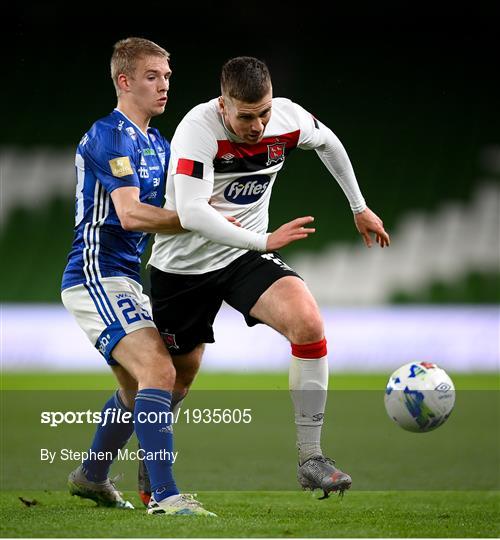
(127, 51)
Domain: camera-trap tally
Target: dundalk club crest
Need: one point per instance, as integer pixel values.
(275, 152)
(169, 340)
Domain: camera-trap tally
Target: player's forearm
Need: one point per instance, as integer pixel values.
(150, 219)
(197, 215)
(201, 218)
(333, 155)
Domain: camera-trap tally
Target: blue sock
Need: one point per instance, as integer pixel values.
(109, 437)
(156, 437)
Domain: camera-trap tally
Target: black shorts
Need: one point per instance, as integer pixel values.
(185, 305)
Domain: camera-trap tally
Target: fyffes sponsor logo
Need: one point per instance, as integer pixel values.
(248, 189)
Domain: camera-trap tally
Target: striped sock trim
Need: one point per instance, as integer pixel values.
(153, 394)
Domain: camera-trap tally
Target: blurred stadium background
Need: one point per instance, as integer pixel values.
(415, 102)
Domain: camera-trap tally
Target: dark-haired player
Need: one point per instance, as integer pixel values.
(226, 155)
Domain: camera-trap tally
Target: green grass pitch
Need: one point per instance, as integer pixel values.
(284, 514)
(440, 484)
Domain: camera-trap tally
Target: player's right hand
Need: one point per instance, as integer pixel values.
(289, 232)
(233, 220)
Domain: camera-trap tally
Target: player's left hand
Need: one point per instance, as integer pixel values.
(367, 223)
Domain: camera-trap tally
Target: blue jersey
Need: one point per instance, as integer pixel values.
(114, 153)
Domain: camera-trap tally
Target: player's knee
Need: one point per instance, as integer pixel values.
(307, 328)
(165, 375)
(159, 372)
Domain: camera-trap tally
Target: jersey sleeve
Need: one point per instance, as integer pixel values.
(312, 131)
(111, 157)
(193, 150)
(316, 136)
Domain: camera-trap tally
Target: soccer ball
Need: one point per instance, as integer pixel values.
(419, 396)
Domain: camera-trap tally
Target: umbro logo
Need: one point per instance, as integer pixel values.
(228, 157)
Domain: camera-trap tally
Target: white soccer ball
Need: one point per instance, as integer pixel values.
(419, 396)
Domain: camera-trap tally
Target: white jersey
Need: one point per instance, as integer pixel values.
(242, 175)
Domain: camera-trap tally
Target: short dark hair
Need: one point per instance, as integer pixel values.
(245, 78)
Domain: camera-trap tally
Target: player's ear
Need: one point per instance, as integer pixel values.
(123, 82)
(221, 104)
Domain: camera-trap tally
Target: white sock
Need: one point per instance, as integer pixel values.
(308, 383)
